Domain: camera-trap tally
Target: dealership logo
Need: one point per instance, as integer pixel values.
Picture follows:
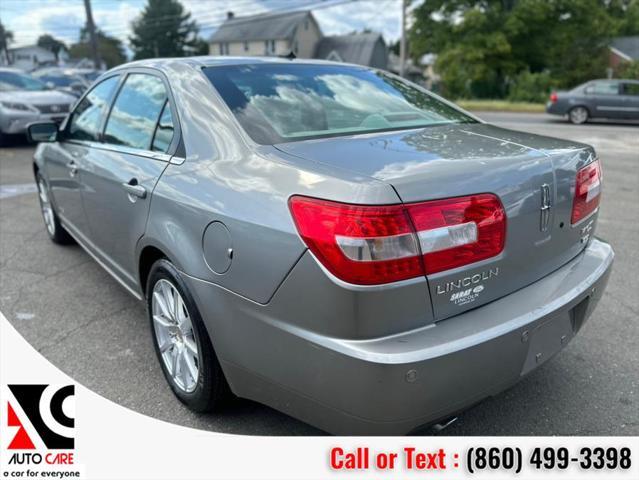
(46, 411)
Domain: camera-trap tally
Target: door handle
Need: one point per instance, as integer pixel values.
(132, 188)
(73, 168)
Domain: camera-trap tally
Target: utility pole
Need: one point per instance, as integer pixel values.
(93, 38)
(402, 42)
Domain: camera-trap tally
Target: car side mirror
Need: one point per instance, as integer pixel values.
(42, 132)
(50, 85)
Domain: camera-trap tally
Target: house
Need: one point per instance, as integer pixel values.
(411, 71)
(267, 34)
(622, 50)
(431, 77)
(30, 57)
(361, 48)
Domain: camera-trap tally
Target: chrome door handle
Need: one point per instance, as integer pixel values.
(132, 188)
(73, 168)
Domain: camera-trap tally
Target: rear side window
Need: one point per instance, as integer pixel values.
(164, 131)
(631, 89)
(136, 111)
(603, 88)
(88, 115)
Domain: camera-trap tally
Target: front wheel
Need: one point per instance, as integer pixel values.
(578, 115)
(181, 341)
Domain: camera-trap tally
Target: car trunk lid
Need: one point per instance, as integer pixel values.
(533, 176)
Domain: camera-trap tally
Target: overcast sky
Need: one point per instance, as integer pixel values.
(28, 19)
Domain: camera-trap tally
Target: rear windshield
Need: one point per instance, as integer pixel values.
(278, 103)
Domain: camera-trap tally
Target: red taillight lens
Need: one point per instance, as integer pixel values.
(371, 245)
(553, 97)
(459, 231)
(587, 192)
(359, 244)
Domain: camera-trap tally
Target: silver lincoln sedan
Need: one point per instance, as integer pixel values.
(327, 239)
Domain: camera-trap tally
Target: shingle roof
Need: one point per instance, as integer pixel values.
(355, 48)
(259, 27)
(629, 46)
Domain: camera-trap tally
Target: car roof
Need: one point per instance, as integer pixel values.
(212, 61)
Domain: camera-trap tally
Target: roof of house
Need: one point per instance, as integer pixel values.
(260, 27)
(355, 48)
(628, 46)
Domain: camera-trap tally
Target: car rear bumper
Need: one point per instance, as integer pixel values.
(555, 108)
(397, 383)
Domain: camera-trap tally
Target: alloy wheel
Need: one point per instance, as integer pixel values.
(174, 335)
(578, 115)
(46, 208)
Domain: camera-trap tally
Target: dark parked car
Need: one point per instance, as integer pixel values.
(615, 99)
(63, 80)
(328, 239)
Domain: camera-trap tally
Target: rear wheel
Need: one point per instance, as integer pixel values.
(181, 341)
(55, 230)
(578, 115)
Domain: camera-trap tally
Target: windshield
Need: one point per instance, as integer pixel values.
(60, 80)
(278, 103)
(19, 81)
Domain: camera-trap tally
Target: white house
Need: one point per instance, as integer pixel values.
(267, 34)
(31, 56)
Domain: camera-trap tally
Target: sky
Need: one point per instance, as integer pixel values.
(28, 19)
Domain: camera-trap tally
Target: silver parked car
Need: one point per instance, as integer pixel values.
(613, 99)
(327, 239)
(25, 99)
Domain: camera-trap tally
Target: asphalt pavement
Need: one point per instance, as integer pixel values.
(81, 320)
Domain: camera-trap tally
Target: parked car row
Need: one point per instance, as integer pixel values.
(47, 94)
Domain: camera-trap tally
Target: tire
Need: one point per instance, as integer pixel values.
(578, 115)
(204, 389)
(54, 228)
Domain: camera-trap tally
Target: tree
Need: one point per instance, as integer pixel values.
(6, 37)
(110, 48)
(164, 29)
(483, 45)
(48, 42)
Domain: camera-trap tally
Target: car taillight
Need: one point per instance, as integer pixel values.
(459, 231)
(371, 245)
(553, 97)
(587, 192)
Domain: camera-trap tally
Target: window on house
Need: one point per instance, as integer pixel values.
(272, 46)
(221, 49)
(246, 46)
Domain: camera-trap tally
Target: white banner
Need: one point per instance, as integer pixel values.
(53, 427)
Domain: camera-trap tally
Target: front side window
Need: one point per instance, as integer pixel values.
(87, 118)
(136, 111)
(277, 103)
(603, 88)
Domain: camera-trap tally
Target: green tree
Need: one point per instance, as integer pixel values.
(48, 42)
(6, 37)
(164, 29)
(110, 48)
(484, 45)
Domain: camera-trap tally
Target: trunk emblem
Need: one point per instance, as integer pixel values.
(545, 207)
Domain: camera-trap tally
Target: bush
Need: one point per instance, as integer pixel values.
(531, 87)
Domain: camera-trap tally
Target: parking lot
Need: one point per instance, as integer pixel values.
(80, 319)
